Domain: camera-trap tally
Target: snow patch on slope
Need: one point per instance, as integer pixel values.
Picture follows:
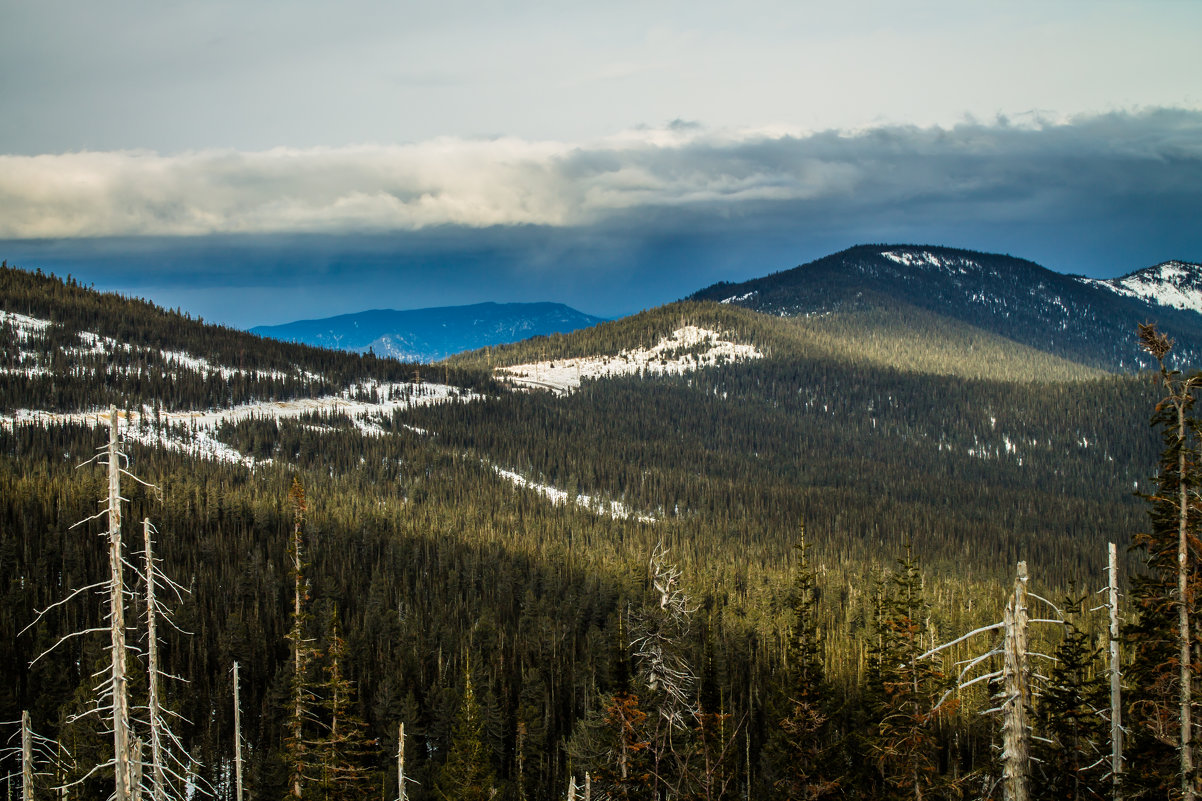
(738, 298)
(927, 259)
(24, 326)
(687, 349)
(615, 509)
(194, 432)
(93, 344)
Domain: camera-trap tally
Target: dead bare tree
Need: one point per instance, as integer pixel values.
(1015, 675)
(31, 751)
(170, 766)
(662, 665)
(112, 703)
(237, 739)
(119, 688)
(1116, 675)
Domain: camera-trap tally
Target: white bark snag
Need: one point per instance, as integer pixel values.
(1187, 756)
(571, 788)
(135, 769)
(237, 739)
(1016, 732)
(1116, 677)
(26, 758)
(298, 701)
(155, 710)
(400, 761)
(120, 691)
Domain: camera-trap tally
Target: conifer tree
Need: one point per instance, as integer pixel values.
(1161, 675)
(296, 743)
(613, 745)
(907, 705)
(803, 744)
(344, 753)
(467, 775)
(1070, 754)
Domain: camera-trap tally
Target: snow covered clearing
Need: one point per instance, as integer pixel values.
(193, 432)
(615, 509)
(687, 349)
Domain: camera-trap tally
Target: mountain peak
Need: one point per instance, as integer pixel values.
(1084, 319)
(1176, 284)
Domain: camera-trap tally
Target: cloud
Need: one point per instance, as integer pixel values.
(1004, 168)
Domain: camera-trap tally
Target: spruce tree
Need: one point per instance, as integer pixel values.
(1070, 754)
(612, 744)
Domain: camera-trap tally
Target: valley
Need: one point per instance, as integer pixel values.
(506, 520)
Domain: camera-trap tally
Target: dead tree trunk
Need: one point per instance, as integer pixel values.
(119, 688)
(1187, 755)
(237, 739)
(1016, 732)
(26, 758)
(135, 769)
(400, 762)
(1116, 677)
(296, 745)
(154, 709)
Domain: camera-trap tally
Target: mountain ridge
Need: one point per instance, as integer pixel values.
(1086, 320)
(431, 333)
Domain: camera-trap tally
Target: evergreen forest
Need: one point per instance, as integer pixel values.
(861, 566)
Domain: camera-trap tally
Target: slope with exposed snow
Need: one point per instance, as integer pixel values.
(1082, 320)
(609, 508)
(687, 349)
(1176, 284)
(192, 432)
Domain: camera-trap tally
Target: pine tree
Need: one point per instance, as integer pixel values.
(906, 707)
(803, 742)
(344, 754)
(467, 775)
(296, 742)
(613, 745)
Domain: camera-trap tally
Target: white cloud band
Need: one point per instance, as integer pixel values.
(507, 182)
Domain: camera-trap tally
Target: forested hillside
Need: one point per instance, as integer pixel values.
(67, 348)
(1080, 319)
(609, 581)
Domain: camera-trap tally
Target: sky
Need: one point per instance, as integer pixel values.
(258, 162)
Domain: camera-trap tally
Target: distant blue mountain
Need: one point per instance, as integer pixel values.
(427, 335)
